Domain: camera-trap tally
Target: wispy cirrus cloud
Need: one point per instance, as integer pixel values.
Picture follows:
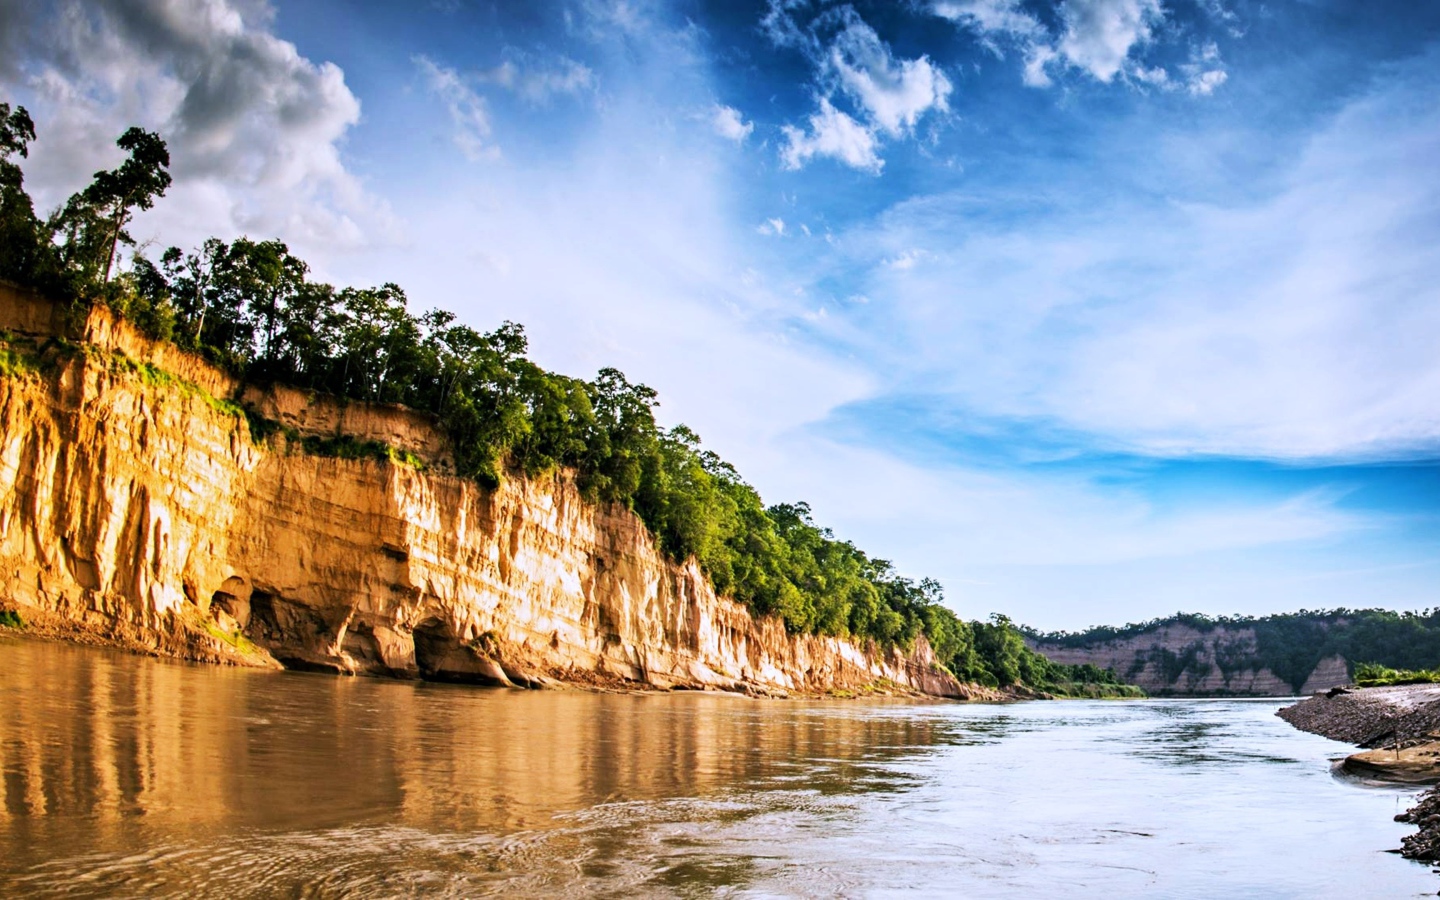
(1293, 326)
(468, 114)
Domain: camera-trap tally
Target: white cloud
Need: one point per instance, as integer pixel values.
(1099, 34)
(1099, 37)
(1299, 325)
(1205, 72)
(780, 26)
(466, 108)
(991, 17)
(905, 260)
(773, 227)
(1205, 83)
(1036, 59)
(893, 93)
(729, 124)
(254, 128)
(834, 134)
(538, 81)
(889, 94)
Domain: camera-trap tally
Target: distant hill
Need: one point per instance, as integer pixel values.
(1195, 655)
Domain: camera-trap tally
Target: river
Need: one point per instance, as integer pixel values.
(127, 776)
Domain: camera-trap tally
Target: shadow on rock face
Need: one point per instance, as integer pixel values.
(441, 656)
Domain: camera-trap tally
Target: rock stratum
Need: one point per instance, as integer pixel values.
(137, 508)
(1179, 660)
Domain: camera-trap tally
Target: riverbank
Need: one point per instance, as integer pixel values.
(48, 628)
(1400, 728)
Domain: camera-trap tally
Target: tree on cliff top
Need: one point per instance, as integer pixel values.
(250, 307)
(90, 227)
(20, 244)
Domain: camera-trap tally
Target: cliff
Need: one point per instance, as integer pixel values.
(137, 507)
(1180, 660)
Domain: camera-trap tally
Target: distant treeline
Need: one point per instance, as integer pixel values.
(251, 307)
(1290, 644)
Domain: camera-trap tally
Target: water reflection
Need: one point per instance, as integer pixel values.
(127, 776)
(150, 759)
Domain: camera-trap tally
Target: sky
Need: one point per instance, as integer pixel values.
(1094, 310)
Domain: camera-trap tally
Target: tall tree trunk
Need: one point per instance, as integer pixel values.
(114, 239)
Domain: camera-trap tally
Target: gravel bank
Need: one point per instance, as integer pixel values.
(1401, 716)
(1371, 717)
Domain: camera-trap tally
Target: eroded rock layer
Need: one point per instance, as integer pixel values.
(135, 505)
(1180, 660)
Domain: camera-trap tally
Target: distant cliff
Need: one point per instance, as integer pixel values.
(1180, 660)
(149, 499)
(1285, 653)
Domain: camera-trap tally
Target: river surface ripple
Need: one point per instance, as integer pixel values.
(126, 776)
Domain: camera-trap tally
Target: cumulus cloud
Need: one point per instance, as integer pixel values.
(729, 124)
(893, 93)
(888, 95)
(467, 109)
(1099, 34)
(1102, 38)
(255, 129)
(834, 134)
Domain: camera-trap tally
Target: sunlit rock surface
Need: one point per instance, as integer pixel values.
(135, 507)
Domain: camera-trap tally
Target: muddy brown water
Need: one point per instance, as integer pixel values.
(126, 776)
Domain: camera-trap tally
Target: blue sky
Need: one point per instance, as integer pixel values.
(1093, 309)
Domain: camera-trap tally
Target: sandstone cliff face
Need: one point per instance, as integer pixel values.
(1181, 660)
(135, 505)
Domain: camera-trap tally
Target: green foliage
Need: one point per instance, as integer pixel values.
(28, 254)
(16, 363)
(1376, 675)
(9, 618)
(250, 307)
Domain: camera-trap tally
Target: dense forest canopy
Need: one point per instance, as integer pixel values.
(251, 307)
(1292, 644)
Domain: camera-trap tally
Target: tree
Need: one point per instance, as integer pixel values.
(20, 243)
(264, 277)
(189, 276)
(138, 181)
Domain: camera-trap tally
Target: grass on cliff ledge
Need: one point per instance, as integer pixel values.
(261, 428)
(18, 358)
(341, 446)
(153, 376)
(9, 618)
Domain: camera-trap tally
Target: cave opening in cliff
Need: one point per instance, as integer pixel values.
(433, 642)
(440, 655)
